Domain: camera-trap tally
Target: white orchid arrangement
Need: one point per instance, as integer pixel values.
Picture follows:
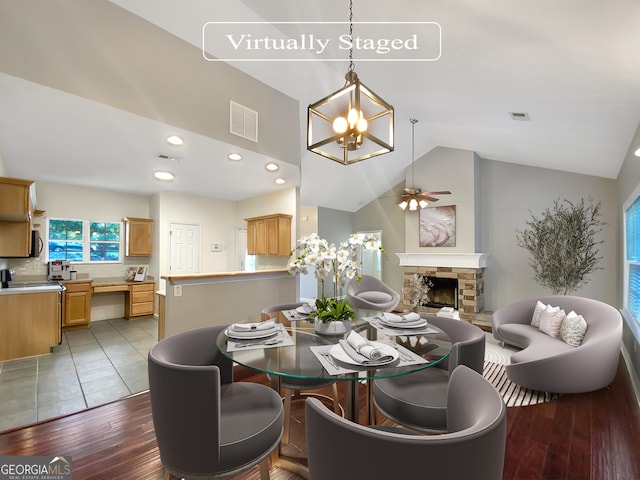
(325, 258)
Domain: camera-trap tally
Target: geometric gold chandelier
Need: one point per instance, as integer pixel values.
(350, 124)
(414, 197)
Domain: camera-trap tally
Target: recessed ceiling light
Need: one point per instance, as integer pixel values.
(234, 156)
(272, 166)
(175, 140)
(280, 181)
(164, 176)
(637, 153)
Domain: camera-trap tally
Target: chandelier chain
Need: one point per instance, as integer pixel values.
(351, 66)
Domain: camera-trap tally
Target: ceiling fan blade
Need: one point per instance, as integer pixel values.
(428, 198)
(444, 192)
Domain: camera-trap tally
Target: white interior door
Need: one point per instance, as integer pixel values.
(185, 248)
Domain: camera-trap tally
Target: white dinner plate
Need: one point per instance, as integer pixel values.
(421, 324)
(251, 335)
(304, 309)
(338, 353)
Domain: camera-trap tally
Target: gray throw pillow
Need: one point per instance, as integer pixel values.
(573, 329)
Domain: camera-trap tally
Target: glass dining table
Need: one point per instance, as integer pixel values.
(307, 355)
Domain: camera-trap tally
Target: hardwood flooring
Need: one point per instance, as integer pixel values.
(592, 436)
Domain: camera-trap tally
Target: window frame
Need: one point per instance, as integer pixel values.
(631, 264)
(87, 241)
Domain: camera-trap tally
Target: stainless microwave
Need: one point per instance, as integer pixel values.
(37, 244)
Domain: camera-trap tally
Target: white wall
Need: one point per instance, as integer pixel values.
(445, 169)
(217, 219)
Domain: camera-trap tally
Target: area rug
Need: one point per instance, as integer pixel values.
(495, 360)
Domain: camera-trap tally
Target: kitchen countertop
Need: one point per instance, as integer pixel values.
(34, 286)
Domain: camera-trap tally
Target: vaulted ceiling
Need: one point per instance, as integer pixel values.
(572, 66)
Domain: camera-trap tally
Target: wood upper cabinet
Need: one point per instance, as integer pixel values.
(16, 217)
(15, 199)
(76, 303)
(138, 236)
(269, 235)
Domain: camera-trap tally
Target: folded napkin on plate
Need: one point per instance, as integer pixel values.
(258, 326)
(406, 319)
(362, 351)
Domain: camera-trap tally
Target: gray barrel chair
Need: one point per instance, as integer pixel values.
(206, 424)
(419, 400)
(371, 293)
(293, 386)
(472, 448)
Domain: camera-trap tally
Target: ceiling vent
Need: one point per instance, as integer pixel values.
(165, 156)
(243, 122)
(522, 116)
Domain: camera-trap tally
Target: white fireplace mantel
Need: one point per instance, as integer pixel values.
(454, 260)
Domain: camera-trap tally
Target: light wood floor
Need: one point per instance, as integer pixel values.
(592, 436)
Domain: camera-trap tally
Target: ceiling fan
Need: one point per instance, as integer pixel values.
(415, 197)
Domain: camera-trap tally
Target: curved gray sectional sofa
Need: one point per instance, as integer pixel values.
(550, 365)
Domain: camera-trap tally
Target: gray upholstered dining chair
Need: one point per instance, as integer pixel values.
(205, 423)
(472, 448)
(293, 386)
(372, 294)
(419, 400)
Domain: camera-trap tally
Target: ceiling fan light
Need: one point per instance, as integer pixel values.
(637, 153)
(423, 203)
(413, 204)
(403, 204)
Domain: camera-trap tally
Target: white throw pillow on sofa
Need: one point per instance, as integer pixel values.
(551, 320)
(573, 328)
(535, 320)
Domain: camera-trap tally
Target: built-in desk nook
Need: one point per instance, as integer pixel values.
(138, 298)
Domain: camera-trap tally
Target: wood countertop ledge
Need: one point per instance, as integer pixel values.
(223, 275)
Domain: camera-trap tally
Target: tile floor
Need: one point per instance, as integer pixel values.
(92, 366)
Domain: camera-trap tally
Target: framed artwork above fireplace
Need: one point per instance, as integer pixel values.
(438, 226)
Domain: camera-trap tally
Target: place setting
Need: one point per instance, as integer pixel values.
(407, 324)
(258, 335)
(300, 313)
(356, 353)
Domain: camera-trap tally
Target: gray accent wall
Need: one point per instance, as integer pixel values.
(493, 200)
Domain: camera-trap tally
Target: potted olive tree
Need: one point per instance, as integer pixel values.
(563, 244)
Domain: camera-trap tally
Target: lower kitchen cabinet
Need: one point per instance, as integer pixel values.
(139, 300)
(76, 304)
(29, 324)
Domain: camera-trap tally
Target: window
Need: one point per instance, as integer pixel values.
(84, 241)
(632, 258)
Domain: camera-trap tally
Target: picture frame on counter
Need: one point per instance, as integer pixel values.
(136, 274)
(141, 274)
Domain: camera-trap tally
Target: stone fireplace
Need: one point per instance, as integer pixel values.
(461, 273)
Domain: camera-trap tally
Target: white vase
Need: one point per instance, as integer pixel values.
(333, 328)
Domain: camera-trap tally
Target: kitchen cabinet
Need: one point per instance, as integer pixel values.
(138, 236)
(269, 235)
(29, 324)
(16, 217)
(139, 300)
(76, 303)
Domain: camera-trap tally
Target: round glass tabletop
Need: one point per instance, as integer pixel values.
(307, 354)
